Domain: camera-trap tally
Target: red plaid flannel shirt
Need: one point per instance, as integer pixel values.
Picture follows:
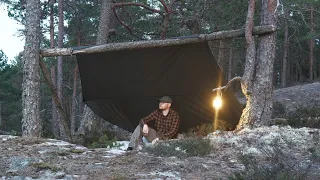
(166, 126)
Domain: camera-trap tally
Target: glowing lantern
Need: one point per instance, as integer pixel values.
(217, 102)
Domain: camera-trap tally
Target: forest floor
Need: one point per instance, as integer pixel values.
(273, 152)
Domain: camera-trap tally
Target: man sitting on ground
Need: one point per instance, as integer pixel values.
(166, 123)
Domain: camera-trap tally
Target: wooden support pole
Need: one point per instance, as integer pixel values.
(258, 30)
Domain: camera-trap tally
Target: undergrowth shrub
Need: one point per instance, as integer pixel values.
(315, 149)
(105, 142)
(181, 148)
(305, 117)
(273, 164)
(206, 128)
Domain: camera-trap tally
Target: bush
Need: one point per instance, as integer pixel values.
(315, 149)
(181, 148)
(206, 128)
(305, 117)
(45, 166)
(105, 142)
(276, 165)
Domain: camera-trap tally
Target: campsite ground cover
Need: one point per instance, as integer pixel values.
(298, 151)
(279, 152)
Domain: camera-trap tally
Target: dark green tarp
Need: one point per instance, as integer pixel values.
(123, 86)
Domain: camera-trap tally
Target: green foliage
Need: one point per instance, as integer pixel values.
(10, 94)
(105, 142)
(78, 151)
(44, 166)
(181, 148)
(207, 128)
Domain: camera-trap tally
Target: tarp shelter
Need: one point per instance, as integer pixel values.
(123, 86)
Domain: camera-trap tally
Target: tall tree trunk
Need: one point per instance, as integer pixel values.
(55, 123)
(285, 50)
(74, 93)
(81, 104)
(73, 108)
(60, 64)
(221, 55)
(257, 82)
(0, 114)
(248, 76)
(52, 23)
(263, 91)
(230, 64)
(31, 123)
(104, 22)
(89, 117)
(311, 53)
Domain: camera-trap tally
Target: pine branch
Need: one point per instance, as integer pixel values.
(136, 4)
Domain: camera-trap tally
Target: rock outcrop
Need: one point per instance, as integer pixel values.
(297, 149)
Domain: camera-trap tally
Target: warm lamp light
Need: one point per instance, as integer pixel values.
(217, 102)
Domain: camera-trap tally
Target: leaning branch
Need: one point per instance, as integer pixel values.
(164, 6)
(258, 30)
(121, 22)
(228, 84)
(136, 4)
(55, 98)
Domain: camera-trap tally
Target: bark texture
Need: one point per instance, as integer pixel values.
(31, 123)
(221, 55)
(263, 90)
(73, 108)
(104, 22)
(55, 123)
(0, 115)
(60, 64)
(311, 44)
(247, 118)
(285, 50)
(257, 82)
(230, 64)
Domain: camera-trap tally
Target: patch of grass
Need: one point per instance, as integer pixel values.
(301, 117)
(119, 176)
(275, 164)
(31, 141)
(104, 142)
(78, 151)
(44, 166)
(305, 117)
(207, 128)
(315, 149)
(181, 148)
(62, 153)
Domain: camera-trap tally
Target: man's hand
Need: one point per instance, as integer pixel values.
(145, 129)
(155, 140)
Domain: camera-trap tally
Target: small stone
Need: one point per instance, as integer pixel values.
(12, 172)
(60, 175)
